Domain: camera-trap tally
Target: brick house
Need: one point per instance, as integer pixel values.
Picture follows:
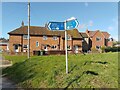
(110, 42)
(98, 39)
(85, 41)
(43, 39)
(4, 43)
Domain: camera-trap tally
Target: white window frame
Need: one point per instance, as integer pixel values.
(45, 37)
(98, 46)
(69, 37)
(54, 47)
(37, 45)
(68, 47)
(25, 36)
(24, 47)
(55, 37)
(110, 39)
(98, 38)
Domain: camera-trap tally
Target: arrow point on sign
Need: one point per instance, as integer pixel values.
(76, 23)
(49, 26)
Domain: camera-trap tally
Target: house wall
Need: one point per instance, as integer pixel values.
(3, 47)
(98, 43)
(42, 42)
(18, 39)
(59, 43)
(110, 43)
(14, 39)
(79, 43)
(70, 43)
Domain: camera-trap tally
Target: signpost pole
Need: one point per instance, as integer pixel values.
(66, 48)
(69, 24)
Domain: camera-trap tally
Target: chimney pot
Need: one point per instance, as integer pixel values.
(87, 31)
(22, 24)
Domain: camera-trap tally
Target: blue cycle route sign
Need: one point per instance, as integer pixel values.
(71, 24)
(56, 25)
(68, 25)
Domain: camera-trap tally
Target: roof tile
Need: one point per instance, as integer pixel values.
(35, 30)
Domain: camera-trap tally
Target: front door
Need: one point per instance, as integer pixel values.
(45, 48)
(76, 49)
(16, 48)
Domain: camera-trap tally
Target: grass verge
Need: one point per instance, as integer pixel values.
(85, 71)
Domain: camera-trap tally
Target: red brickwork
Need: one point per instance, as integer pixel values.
(59, 43)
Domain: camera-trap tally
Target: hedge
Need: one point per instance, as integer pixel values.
(112, 49)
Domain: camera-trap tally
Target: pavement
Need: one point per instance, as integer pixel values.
(5, 63)
(5, 82)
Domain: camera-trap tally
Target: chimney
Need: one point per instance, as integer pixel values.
(22, 24)
(46, 25)
(87, 31)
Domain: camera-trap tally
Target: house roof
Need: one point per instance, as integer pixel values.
(84, 35)
(92, 33)
(74, 33)
(106, 34)
(35, 30)
(4, 40)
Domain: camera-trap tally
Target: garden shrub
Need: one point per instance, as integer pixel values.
(112, 49)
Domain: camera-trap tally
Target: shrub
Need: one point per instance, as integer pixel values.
(103, 49)
(112, 49)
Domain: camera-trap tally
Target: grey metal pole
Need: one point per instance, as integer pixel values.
(28, 29)
(66, 49)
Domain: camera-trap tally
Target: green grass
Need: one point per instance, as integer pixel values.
(85, 71)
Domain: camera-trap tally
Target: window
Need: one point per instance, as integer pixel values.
(110, 39)
(45, 47)
(37, 44)
(68, 37)
(44, 37)
(54, 37)
(25, 46)
(54, 47)
(68, 47)
(98, 39)
(98, 47)
(25, 36)
(16, 46)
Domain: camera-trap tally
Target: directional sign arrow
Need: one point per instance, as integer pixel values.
(71, 24)
(67, 25)
(56, 25)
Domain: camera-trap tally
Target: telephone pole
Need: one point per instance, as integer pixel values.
(28, 29)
